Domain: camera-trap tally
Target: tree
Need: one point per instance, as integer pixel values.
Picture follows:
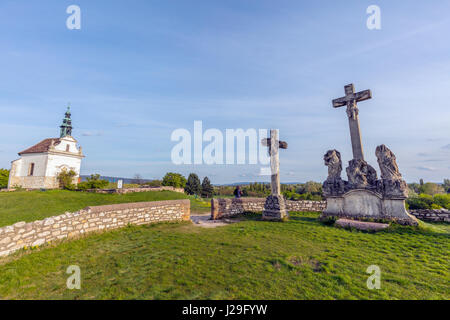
(175, 180)
(4, 176)
(431, 188)
(193, 185)
(65, 179)
(207, 188)
(446, 185)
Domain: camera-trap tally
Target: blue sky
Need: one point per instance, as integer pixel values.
(137, 70)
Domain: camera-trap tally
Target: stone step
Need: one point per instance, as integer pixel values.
(361, 225)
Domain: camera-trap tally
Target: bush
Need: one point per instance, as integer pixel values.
(423, 201)
(442, 200)
(154, 183)
(93, 182)
(431, 188)
(426, 201)
(175, 180)
(65, 179)
(4, 176)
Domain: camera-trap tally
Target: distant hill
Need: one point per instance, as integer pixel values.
(115, 179)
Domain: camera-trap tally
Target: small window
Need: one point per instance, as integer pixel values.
(67, 148)
(31, 170)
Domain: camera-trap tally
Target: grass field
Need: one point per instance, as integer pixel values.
(36, 205)
(252, 259)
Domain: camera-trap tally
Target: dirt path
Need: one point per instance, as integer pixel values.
(203, 220)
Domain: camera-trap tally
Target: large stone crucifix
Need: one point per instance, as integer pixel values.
(350, 100)
(274, 145)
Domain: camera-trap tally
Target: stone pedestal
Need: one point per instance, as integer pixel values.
(365, 204)
(275, 208)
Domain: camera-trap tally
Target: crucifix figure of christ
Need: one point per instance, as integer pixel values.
(350, 100)
(274, 207)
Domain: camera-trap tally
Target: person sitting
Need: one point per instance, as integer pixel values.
(237, 192)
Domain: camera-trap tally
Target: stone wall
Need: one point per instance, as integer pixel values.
(90, 219)
(221, 208)
(131, 190)
(435, 215)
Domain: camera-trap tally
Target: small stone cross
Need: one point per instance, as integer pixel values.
(274, 145)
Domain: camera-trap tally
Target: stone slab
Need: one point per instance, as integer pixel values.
(361, 225)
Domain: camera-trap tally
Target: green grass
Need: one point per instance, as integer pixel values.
(37, 205)
(252, 259)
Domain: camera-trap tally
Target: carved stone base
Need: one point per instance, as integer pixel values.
(275, 208)
(363, 204)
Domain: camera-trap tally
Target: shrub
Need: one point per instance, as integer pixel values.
(175, 180)
(65, 179)
(93, 182)
(4, 176)
(442, 200)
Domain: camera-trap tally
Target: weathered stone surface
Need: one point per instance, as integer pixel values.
(334, 185)
(366, 204)
(391, 185)
(275, 208)
(361, 225)
(361, 175)
(364, 196)
(88, 220)
(224, 208)
(434, 215)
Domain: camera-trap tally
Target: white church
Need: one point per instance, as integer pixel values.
(39, 165)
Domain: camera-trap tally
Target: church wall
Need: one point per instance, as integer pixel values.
(67, 141)
(57, 162)
(39, 160)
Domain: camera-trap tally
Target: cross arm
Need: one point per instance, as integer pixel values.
(281, 144)
(359, 96)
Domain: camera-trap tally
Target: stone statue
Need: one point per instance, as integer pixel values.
(361, 175)
(387, 162)
(333, 161)
(334, 185)
(391, 184)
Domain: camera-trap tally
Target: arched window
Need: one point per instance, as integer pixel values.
(67, 148)
(31, 169)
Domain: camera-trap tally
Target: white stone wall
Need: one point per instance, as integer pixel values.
(40, 164)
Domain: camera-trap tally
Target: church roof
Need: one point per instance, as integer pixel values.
(42, 146)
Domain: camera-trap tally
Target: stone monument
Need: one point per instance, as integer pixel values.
(364, 196)
(275, 206)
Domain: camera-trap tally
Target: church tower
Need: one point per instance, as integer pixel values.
(66, 127)
(39, 166)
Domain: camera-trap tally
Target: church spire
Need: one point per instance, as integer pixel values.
(66, 127)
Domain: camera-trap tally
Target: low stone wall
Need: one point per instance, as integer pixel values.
(435, 215)
(90, 219)
(221, 208)
(132, 190)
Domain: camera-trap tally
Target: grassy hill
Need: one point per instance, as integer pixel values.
(37, 205)
(252, 259)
